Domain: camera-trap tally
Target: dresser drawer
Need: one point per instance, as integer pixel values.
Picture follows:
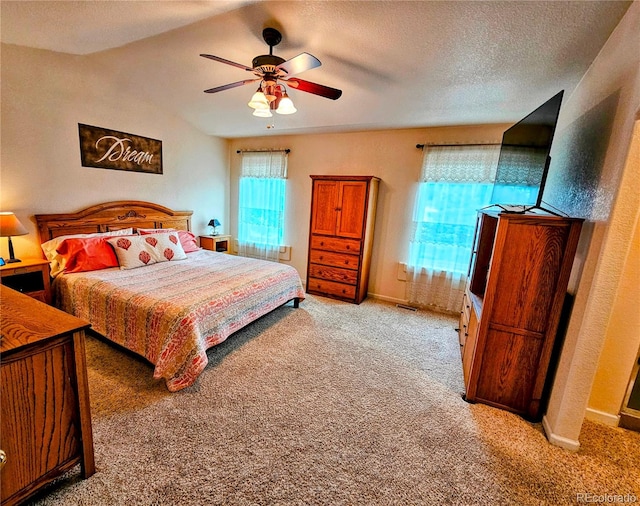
(333, 274)
(334, 259)
(335, 244)
(331, 288)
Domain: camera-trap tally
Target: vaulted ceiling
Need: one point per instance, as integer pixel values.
(399, 63)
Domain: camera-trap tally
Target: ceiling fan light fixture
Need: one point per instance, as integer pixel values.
(268, 69)
(262, 113)
(259, 101)
(286, 105)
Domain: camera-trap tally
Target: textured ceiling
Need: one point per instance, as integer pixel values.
(399, 63)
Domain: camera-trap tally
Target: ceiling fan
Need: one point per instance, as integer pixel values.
(270, 69)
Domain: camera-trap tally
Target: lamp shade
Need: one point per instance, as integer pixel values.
(10, 225)
(259, 101)
(213, 223)
(262, 113)
(286, 105)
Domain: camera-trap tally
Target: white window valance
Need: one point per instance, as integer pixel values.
(264, 164)
(460, 163)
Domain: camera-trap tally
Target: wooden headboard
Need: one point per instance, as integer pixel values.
(112, 216)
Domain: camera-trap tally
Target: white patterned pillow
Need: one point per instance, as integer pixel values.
(138, 251)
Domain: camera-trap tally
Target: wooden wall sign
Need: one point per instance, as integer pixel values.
(109, 149)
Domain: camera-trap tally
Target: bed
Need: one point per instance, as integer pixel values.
(169, 312)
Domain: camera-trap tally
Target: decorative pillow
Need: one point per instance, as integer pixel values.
(141, 250)
(187, 239)
(57, 261)
(87, 254)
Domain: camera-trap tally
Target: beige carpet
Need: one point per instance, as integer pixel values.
(334, 404)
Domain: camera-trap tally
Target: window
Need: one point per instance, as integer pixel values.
(261, 204)
(261, 210)
(456, 181)
(444, 221)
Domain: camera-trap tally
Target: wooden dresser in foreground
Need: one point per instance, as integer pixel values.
(45, 418)
(517, 284)
(343, 210)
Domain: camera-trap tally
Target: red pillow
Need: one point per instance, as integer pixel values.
(187, 239)
(87, 254)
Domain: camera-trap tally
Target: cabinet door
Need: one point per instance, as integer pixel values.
(529, 266)
(351, 209)
(324, 208)
(38, 421)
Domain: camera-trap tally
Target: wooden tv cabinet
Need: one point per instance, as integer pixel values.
(516, 287)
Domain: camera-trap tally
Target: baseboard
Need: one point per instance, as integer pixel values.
(387, 299)
(601, 417)
(562, 442)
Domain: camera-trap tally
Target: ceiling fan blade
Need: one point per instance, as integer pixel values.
(316, 89)
(228, 62)
(230, 85)
(300, 63)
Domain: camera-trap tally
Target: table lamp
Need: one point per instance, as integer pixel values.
(214, 223)
(11, 226)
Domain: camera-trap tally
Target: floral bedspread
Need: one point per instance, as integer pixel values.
(172, 312)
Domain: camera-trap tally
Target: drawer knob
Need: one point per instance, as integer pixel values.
(348, 247)
(321, 243)
(3, 458)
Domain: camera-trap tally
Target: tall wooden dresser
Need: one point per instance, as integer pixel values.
(45, 416)
(343, 210)
(517, 283)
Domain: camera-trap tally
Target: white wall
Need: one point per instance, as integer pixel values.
(598, 184)
(623, 329)
(44, 97)
(390, 155)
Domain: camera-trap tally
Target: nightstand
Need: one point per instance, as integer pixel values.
(30, 276)
(219, 243)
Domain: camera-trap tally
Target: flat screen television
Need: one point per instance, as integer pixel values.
(524, 158)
